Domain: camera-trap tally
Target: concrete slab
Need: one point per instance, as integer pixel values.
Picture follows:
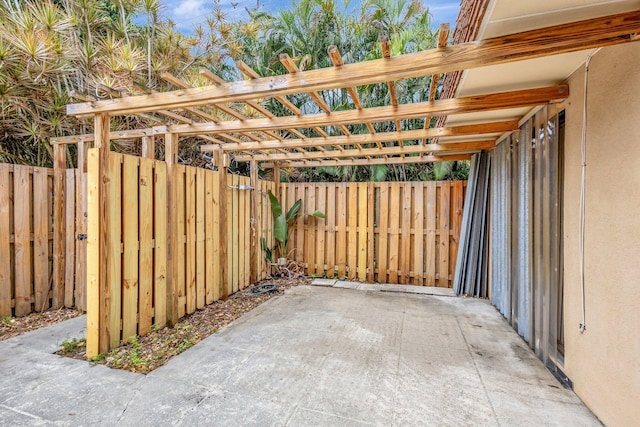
(345, 284)
(324, 282)
(314, 356)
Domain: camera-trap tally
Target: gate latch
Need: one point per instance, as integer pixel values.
(82, 237)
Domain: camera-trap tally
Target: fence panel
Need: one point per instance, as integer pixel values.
(26, 239)
(389, 232)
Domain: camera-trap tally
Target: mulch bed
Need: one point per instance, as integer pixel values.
(144, 354)
(13, 326)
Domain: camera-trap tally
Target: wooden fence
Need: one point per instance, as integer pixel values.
(138, 254)
(384, 232)
(26, 239)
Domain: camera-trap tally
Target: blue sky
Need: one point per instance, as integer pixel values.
(188, 13)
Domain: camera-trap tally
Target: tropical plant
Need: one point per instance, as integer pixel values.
(282, 224)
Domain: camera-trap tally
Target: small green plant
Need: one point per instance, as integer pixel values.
(99, 358)
(72, 346)
(282, 224)
(187, 343)
(134, 354)
(6, 320)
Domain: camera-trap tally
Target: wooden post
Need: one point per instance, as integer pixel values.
(220, 160)
(59, 166)
(171, 158)
(149, 147)
(255, 247)
(276, 180)
(98, 241)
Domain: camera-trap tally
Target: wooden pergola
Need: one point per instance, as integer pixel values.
(278, 141)
(282, 141)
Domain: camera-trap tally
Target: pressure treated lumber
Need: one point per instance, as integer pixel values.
(59, 165)
(336, 59)
(407, 149)
(553, 40)
(466, 130)
(502, 100)
(364, 162)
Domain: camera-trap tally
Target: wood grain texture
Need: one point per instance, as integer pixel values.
(5, 247)
(568, 37)
(59, 229)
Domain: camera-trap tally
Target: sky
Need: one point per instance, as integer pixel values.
(188, 13)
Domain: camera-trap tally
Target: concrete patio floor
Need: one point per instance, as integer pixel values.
(314, 356)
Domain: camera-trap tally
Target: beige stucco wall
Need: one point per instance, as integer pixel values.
(604, 362)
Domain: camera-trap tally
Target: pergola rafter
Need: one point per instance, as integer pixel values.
(453, 131)
(283, 140)
(363, 152)
(570, 37)
(503, 100)
(368, 162)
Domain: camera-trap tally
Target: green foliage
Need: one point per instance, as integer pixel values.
(52, 50)
(71, 346)
(282, 226)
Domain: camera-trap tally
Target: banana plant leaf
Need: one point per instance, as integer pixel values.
(280, 229)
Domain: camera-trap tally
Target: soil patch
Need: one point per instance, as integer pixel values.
(146, 353)
(13, 326)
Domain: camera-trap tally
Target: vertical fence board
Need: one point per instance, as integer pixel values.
(146, 246)
(190, 200)
(418, 242)
(445, 203)
(5, 247)
(160, 244)
(430, 251)
(242, 232)
(115, 256)
(330, 212)
(59, 229)
(70, 238)
(383, 248)
(310, 235)
(370, 231)
(235, 197)
(352, 249)
(248, 226)
(22, 241)
(362, 231)
(341, 237)
(394, 238)
(217, 279)
(299, 238)
(80, 228)
(209, 232)
(322, 228)
(200, 238)
(182, 262)
(130, 260)
(40, 239)
(405, 242)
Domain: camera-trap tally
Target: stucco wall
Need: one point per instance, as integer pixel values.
(604, 362)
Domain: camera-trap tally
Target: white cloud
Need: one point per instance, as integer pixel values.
(186, 11)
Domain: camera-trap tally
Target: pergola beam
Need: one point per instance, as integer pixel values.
(570, 37)
(392, 151)
(407, 135)
(368, 162)
(515, 99)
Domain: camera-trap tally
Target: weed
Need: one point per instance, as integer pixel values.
(187, 343)
(134, 354)
(7, 320)
(99, 358)
(71, 346)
